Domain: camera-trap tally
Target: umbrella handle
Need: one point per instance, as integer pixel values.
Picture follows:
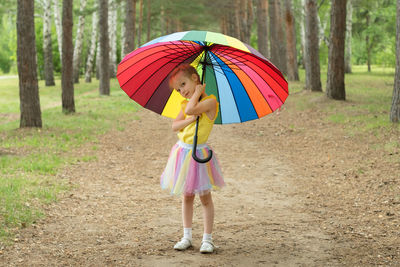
(195, 147)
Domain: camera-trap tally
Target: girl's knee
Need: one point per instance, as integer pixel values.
(188, 198)
(206, 199)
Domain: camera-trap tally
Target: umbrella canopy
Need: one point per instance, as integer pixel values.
(246, 85)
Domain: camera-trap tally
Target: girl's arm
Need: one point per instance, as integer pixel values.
(195, 107)
(180, 122)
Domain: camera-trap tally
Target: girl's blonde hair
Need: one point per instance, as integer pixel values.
(187, 70)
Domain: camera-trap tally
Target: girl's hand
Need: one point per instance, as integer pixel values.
(200, 88)
(193, 118)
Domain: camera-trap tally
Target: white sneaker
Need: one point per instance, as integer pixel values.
(207, 247)
(183, 244)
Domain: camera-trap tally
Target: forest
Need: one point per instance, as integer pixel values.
(372, 28)
(278, 29)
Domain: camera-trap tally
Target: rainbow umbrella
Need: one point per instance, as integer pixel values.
(246, 85)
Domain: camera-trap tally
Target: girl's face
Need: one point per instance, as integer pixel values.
(185, 85)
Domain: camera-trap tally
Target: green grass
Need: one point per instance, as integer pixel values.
(31, 158)
(366, 109)
(368, 98)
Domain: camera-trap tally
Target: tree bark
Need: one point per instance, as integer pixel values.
(31, 115)
(57, 22)
(47, 45)
(262, 27)
(395, 109)
(98, 58)
(67, 78)
(140, 23)
(79, 41)
(349, 23)
(112, 33)
(335, 87)
(92, 49)
(104, 61)
(148, 13)
(292, 70)
(130, 27)
(232, 15)
(246, 19)
(313, 72)
(303, 33)
(277, 36)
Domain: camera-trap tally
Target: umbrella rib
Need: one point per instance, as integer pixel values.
(245, 73)
(233, 96)
(276, 95)
(231, 52)
(171, 61)
(211, 67)
(188, 59)
(167, 48)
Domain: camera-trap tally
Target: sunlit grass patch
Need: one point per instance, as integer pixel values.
(21, 197)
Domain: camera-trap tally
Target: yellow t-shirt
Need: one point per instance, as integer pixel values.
(205, 126)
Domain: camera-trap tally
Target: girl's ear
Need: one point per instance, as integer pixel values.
(195, 78)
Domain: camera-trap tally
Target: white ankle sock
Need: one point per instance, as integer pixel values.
(207, 237)
(187, 233)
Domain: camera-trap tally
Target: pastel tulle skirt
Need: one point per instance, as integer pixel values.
(184, 175)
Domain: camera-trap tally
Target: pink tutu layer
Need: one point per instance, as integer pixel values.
(183, 175)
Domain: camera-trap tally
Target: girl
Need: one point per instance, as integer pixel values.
(183, 175)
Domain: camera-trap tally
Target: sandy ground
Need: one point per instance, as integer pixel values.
(300, 192)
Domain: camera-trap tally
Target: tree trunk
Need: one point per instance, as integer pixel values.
(262, 27)
(292, 70)
(104, 61)
(92, 49)
(148, 13)
(303, 33)
(246, 19)
(122, 11)
(67, 78)
(112, 33)
(335, 87)
(79, 40)
(130, 26)
(31, 115)
(313, 72)
(47, 46)
(98, 58)
(140, 23)
(277, 37)
(395, 109)
(236, 19)
(57, 22)
(368, 45)
(232, 15)
(349, 23)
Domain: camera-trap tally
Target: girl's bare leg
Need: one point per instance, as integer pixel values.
(187, 211)
(187, 217)
(208, 212)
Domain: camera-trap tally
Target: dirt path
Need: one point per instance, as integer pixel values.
(273, 211)
(118, 216)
